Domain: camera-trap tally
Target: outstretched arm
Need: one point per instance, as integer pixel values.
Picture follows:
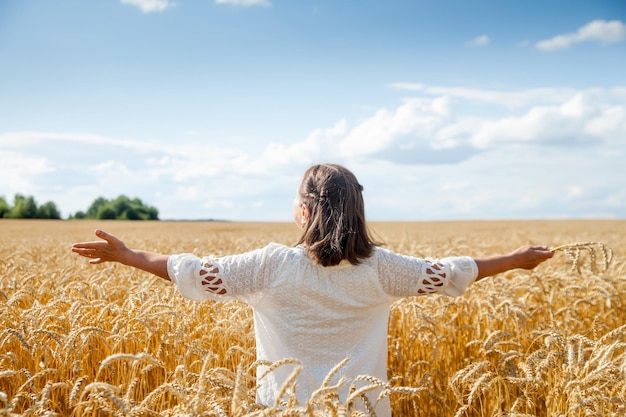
(111, 249)
(526, 257)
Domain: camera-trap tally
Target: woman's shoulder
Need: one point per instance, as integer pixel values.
(380, 251)
(280, 249)
(381, 255)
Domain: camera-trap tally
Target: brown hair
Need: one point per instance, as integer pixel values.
(336, 227)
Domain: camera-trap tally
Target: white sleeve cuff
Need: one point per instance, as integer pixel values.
(182, 270)
(463, 272)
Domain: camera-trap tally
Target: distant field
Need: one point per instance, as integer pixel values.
(78, 340)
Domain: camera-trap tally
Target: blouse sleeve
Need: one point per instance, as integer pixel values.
(405, 276)
(241, 277)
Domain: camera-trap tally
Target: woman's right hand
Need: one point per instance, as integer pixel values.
(109, 249)
(528, 257)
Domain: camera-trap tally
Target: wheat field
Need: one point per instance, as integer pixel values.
(84, 340)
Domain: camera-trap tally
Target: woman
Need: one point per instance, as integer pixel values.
(324, 300)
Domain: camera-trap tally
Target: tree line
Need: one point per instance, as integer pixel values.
(120, 208)
(25, 207)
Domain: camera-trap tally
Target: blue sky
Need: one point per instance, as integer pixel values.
(214, 108)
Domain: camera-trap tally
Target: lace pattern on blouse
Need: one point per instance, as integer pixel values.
(433, 277)
(211, 278)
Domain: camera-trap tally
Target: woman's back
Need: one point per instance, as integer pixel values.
(321, 316)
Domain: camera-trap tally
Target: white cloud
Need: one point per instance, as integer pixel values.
(149, 6)
(222, 203)
(618, 92)
(420, 127)
(436, 154)
(19, 139)
(110, 166)
(581, 120)
(482, 40)
(610, 122)
(187, 192)
(504, 183)
(245, 3)
(431, 130)
(513, 99)
(409, 128)
(597, 30)
(18, 168)
(319, 144)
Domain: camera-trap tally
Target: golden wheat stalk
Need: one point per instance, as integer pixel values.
(103, 390)
(575, 249)
(151, 400)
(288, 386)
(238, 401)
(141, 357)
(4, 401)
(77, 389)
(277, 364)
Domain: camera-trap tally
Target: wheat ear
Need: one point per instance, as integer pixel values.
(573, 251)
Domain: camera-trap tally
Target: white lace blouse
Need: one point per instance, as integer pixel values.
(319, 315)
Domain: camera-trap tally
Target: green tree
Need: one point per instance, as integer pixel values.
(146, 212)
(131, 213)
(92, 211)
(48, 210)
(23, 207)
(121, 208)
(153, 213)
(106, 212)
(4, 208)
(121, 204)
